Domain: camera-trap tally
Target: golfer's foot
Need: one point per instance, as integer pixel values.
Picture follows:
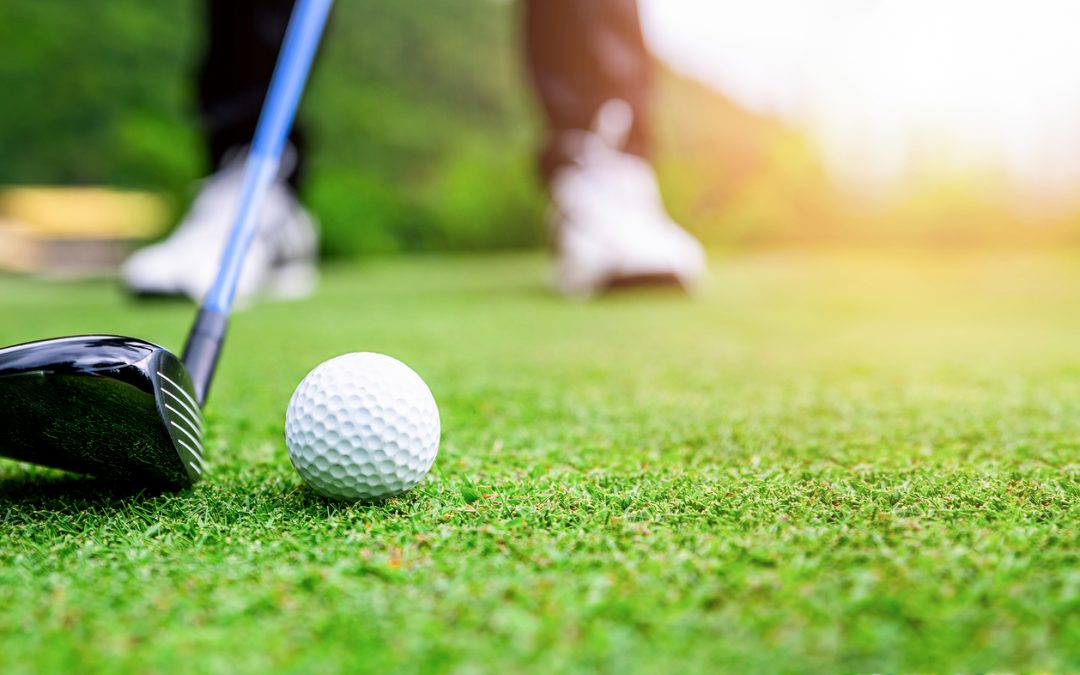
(610, 225)
(281, 262)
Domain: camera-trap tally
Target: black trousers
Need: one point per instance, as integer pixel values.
(581, 53)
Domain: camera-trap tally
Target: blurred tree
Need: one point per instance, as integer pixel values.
(95, 92)
(421, 124)
(423, 133)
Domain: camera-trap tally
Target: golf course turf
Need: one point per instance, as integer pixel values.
(825, 462)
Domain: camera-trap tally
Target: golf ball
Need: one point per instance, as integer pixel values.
(362, 426)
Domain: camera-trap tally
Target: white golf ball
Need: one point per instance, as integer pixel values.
(362, 426)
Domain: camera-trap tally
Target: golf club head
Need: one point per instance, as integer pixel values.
(114, 407)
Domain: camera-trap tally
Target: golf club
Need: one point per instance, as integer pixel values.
(126, 409)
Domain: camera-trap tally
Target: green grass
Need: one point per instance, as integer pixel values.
(827, 462)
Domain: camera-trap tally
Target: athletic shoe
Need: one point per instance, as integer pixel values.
(610, 225)
(281, 262)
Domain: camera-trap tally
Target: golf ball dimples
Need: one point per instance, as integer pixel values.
(362, 426)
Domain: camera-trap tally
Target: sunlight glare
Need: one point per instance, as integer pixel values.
(899, 90)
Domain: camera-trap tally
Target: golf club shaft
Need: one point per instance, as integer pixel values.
(260, 170)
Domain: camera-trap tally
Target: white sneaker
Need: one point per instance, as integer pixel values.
(281, 262)
(610, 225)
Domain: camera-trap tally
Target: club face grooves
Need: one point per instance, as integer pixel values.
(101, 405)
(179, 412)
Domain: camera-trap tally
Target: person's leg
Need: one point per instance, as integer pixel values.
(243, 41)
(592, 74)
(243, 38)
(581, 54)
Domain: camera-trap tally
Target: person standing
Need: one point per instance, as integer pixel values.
(592, 75)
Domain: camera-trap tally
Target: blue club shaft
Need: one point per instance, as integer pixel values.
(260, 170)
(264, 158)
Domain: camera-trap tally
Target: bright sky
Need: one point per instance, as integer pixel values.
(891, 87)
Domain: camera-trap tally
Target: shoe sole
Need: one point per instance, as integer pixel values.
(657, 280)
(292, 281)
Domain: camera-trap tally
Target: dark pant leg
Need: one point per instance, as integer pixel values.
(243, 40)
(581, 54)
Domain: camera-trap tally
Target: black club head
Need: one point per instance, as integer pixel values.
(125, 409)
(109, 406)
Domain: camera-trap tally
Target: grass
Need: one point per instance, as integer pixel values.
(827, 462)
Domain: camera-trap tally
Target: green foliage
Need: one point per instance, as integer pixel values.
(825, 463)
(419, 117)
(423, 135)
(96, 93)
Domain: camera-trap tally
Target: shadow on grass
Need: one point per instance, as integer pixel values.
(151, 299)
(68, 492)
(307, 499)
